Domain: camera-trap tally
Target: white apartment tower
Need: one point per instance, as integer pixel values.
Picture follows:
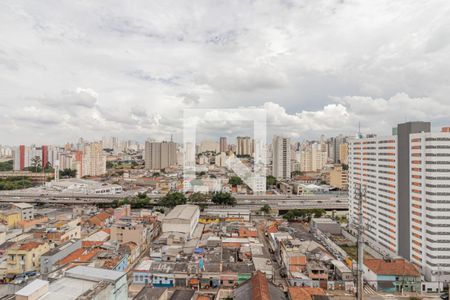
(430, 203)
(406, 180)
(373, 168)
(281, 160)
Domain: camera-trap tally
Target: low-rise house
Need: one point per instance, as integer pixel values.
(102, 219)
(11, 217)
(162, 274)
(80, 282)
(304, 293)
(234, 273)
(258, 287)
(129, 232)
(392, 275)
(26, 210)
(26, 256)
(141, 273)
(151, 293)
(49, 260)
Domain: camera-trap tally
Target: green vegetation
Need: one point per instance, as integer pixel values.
(296, 173)
(222, 198)
(304, 214)
(235, 180)
(344, 167)
(200, 174)
(198, 198)
(266, 209)
(68, 173)
(139, 201)
(173, 199)
(121, 164)
(15, 183)
(6, 165)
(270, 181)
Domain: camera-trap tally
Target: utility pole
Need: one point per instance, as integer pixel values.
(360, 244)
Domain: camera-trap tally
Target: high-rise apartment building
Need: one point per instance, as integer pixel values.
(404, 179)
(281, 160)
(30, 156)
(313, 157)
(430, 203)
(343, 154)
(244, 145)
(334, 148)
(160, 155)
(373, 171)
(223, 144)
(93, 159)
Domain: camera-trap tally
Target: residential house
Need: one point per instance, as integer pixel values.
(392, 275)
(26, 256)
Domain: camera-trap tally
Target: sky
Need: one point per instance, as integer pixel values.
(89, 68)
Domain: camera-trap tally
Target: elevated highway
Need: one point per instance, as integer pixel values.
(280, 202)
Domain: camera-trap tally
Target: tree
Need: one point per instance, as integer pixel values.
(68, 173)
(198, 197)
(266, 209)
(270, 181)
(173, 199)
(36, 162)
(235, 180)
(6, 165)
(296, 173)
(222, 198)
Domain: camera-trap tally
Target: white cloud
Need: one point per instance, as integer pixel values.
(93, 67)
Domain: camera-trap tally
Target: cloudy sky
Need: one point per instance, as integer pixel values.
(129, 68)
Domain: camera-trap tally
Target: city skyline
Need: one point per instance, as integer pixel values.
(80, 69)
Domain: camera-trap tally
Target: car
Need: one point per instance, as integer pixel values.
(444, 296)
(302, 240)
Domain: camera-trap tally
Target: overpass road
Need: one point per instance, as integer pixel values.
(281, 202)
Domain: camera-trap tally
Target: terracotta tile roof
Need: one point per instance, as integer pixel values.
(297, 260)
(260, 287)
(90, 244)
(29, 246)
(80, 255)
(304, 293)
(231, 245)
(103, 216)
(393, 267)
(245, 232)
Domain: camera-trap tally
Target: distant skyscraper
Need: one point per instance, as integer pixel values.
(281, 161)
(223, 144)
(244, 145)
(313, 157)
(93, 159)
(160, 155)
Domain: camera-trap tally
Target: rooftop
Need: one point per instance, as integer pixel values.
(391, 267)
(185, 212)
(23, 205)
(32, 287)
(94, 274)
(304, 293)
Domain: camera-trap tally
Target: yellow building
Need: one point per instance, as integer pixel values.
(11, 218)
(343, 153)
(25, 257)
(338, 177)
